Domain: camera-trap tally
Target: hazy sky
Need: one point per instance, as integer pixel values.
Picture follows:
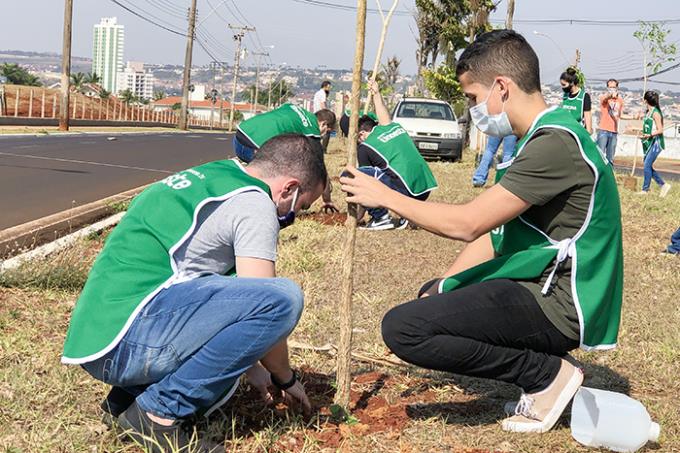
(312, 36)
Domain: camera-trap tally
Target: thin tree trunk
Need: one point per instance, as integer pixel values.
(511, 13)
(381, 45)
(344, 377)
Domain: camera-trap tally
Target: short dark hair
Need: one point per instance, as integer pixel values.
(292, 155)
(326, 116)
(504, 53)
(570, 75)
(613, 80)
(652, 98)
(325, 83)
(366, 123)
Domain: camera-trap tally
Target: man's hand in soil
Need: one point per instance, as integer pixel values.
(296, 395)
(329, 208)
(365, 190)
(261, 379)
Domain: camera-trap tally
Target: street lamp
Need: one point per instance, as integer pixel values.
(545, 35)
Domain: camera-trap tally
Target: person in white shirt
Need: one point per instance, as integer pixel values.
(320, 102)
(321, 97)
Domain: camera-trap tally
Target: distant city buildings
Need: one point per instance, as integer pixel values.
(136, 79)
(107, 52)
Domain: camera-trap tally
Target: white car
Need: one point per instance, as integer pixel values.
(432, 126)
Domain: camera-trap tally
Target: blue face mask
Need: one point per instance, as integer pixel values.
(289, 218)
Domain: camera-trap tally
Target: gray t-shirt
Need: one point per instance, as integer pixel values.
(245, 225)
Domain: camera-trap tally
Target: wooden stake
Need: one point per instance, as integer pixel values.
(511, 13)
(42, 104)
(381, 45)
(343, 376)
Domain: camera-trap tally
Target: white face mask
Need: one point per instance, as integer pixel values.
(494, 125)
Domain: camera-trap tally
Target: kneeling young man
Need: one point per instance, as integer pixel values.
(543, 270)
(184, 297)
(387, 153)
(251, 134)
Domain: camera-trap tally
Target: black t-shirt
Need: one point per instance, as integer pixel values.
(367, 157)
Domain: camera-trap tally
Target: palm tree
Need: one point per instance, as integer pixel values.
(77, 81)
(104, 94)
(92, 78)
(17, 75)
(158, 95)
(127, 96)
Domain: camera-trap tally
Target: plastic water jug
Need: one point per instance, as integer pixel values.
(611, 420)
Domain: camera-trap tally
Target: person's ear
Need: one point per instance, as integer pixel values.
(289, 187)
(503, 85)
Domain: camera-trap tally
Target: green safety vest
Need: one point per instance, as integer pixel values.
(138, 259)
(524, 252)
(287, 119)
(648, 127)
(396, 148)
(371, 115)
(574, 105)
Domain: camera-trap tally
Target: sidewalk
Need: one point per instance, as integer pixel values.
(662, 165)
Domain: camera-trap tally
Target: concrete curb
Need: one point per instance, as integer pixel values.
(112, 133)
(27, 236)
(59, 244)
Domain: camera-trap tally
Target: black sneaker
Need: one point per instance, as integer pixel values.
(401, 224)
(383, 223)
(116, 402)
(156, 438)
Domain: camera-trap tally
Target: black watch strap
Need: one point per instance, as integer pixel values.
(284, 385)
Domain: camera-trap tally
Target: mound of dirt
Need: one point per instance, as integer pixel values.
(333, 219)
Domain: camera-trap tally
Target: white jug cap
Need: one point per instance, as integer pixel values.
(654, 431)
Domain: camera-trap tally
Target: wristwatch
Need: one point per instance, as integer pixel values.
(285, 385)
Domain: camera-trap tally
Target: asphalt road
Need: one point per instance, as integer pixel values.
(34, 182)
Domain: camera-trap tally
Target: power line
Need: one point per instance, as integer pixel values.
(148, 20)
(331, 5)
(639, 79)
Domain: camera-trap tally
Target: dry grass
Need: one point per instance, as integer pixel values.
(45, 406)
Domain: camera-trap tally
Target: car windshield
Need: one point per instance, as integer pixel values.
(427, 110)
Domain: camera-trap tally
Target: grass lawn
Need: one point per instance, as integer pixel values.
(46, 406)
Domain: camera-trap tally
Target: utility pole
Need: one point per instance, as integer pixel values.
(66, 66)
(186, 80)
(257, 76)
(239, 33)
(511, 12)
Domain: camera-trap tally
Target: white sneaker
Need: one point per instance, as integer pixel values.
(642, 192)
(383, 223)
(664, 190)
(538, 412)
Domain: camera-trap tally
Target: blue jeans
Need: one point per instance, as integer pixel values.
(649, 172)
(482, 172)
(380, 175)
(675, 243)
(607, 142)
(194, 340)
(243, 152)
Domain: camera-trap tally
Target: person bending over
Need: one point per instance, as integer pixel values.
(543, 270)
(388, 154)
(184, 298)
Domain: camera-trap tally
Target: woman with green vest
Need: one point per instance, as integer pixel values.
(184, 298)
(575, 99)
(652, 142)
(387, 153)
(542, 273)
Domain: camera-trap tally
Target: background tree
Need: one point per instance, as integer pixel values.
(281, 92)
(104, 94)
(92, 78)
(77, 81)
(248, 94)
(443, 84)
(158, 95)
(176, 106)
(127, 96)
(17, 75)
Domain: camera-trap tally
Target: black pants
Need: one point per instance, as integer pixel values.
(494, 329)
